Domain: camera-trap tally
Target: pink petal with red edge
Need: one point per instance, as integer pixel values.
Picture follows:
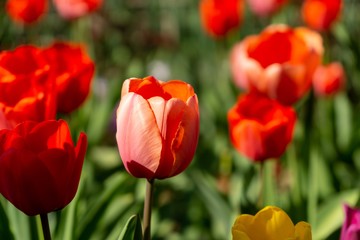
(138, 137)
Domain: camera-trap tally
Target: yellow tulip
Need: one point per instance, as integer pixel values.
(270, 223)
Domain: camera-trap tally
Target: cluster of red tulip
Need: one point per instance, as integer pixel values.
(276, 68)
(30, 11)
(37, 154)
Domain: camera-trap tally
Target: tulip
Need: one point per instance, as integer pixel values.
(270, 223)
(73, 71)
(219, 17)
(26, 11)
(351, 226)
(260, 128)
(265, 7)
(321, 14)
(328, 80)
(72, 9)
(279, 62)
(157, 127)
(39, 166)
(25, 92)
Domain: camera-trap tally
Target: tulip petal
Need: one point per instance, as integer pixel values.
(76, 165)
(186, 138)
(139, 139)
(303, 231)
(178, 89)
(50, 134)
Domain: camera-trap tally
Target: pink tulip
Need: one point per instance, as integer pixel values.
(72, 9)
(265, 7)
(351, 227)
(157, 127)
(328, 79)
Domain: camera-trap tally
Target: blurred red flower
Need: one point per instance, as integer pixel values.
(26, 11)
(39, 165)
(278, 62)
(71, 9)
(73, 71)
(321, 14)
(25, 92)
(157, 127)
(260, 128)
(219, 17)
(265, 7)
(328, 79)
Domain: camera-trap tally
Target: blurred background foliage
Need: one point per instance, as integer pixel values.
(136, 38)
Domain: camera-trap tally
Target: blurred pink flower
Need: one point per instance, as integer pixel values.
(351, 226)
(71, 9)
(329, 79)
(265, 7)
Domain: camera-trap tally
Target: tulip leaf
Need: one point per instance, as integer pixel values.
(132, 229)
(331, 215)
(216, 205)
(5, 231)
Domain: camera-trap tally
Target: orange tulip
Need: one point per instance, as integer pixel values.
(157, 127)
(39, 166)
(25, 92)
(265, 7)
(278, 62)
(260, 128)
(329, 79)
(219, 17)
(73, 71)
(26, 11)
(321, 14)
(71, 9)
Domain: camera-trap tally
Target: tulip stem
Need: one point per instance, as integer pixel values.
(45, 226)
(147, 208)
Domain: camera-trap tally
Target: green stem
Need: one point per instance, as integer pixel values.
(45, 226)
(147, 208)
(269, 182)
(313, 187)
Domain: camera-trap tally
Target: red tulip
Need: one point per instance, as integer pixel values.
(25, 92)
(71, 9)
(260, 128)
(265, 7)
(328, 80)
(279, 62)
(219, 17)
(26, 11)
(321, 14)
(73, 71)
(157, 127)
(39, 166)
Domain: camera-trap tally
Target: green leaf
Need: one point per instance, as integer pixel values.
(5, 231)
(330, 214)
(217, 206)
(132, 229)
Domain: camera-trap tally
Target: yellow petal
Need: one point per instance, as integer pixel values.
(303, 231)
